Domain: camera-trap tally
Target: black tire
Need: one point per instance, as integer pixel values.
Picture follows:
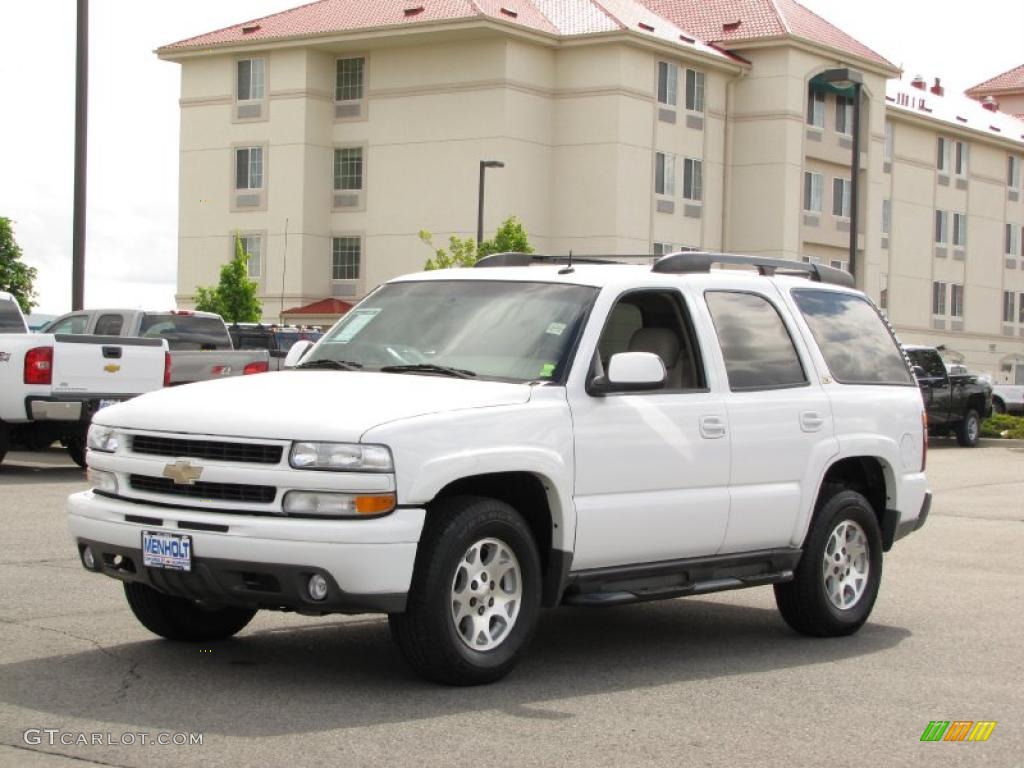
(804, 602)
(968, 431)
(998, 405)
(178, 619)
(426, 633)
(76, 449)
(5, 441)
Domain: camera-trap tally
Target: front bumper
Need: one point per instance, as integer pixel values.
(257, 562)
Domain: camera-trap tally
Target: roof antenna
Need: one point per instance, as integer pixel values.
(567, 269)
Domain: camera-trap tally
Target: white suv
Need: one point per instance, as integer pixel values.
(466, 446)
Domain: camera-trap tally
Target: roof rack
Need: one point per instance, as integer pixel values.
(700, 261)
(517, 259)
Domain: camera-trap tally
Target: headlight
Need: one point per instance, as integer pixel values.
(102, 481)
(342, 457)
(102, 439)
(326, 504)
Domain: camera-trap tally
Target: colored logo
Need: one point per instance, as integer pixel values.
(183, 472)
(112, 368)
(958, 730)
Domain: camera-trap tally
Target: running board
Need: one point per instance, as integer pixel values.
(679, 578)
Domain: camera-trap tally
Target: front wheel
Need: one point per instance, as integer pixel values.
(836, 583)
(475, 593)
(176, 618)
(968, 431)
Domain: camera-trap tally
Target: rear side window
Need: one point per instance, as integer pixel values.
(929, 360)
(109, 325)
(758, 350)
(186, 332)
(853, 338)
(10, 318)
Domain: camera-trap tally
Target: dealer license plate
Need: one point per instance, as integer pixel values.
(166, 550)
(104, 403)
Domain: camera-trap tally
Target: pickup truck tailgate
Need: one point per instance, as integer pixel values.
(107, 365)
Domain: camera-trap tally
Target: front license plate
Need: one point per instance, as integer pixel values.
(104, 403)
(166, 550)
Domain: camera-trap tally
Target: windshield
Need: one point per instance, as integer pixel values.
(510, 331)
(186, 332)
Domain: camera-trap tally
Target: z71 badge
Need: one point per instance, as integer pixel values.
(5, 357)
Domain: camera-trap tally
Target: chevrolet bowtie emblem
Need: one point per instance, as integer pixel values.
(183, 472)
(112, 368)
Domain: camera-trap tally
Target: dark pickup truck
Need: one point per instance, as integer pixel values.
(955, 403)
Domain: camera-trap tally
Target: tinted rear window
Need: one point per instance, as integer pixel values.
(853, 338)
(186, 332)
(758, 350)
(10, 318)
(929, 360)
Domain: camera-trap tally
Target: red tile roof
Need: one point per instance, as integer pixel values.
(557, 17)
(1010, 80)
(724, 21)
(322, 307)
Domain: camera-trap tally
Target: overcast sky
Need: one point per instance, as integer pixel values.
(133, 119)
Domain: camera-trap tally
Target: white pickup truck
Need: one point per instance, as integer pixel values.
(468, 445)
(50, 386)
(200, 345)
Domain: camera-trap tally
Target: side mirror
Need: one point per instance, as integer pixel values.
(296, 353)
(631, 372)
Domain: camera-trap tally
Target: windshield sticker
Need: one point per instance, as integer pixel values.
(556, 329)
(360, 319)
(547, 370)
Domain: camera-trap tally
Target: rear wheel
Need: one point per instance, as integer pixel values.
(178, 619)
(5, 441)
(76, 449)
(968, 431)
(998, 405)
(836, 583)
(475, 593)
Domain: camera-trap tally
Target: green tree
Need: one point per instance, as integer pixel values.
(234, 297)
(16, 277)
(462, 251)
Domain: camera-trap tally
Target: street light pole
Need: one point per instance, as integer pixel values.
(81, 128)
(484, 165)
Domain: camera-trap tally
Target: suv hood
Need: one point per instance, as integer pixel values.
(305, 405)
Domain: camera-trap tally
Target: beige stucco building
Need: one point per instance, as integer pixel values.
(331, 134)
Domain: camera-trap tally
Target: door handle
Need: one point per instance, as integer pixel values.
(712, 427)
(811, 421)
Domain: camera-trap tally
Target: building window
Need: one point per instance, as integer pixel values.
(959, 229)
(663, 249)
(668, 83)
(348, 169)
(816, 108)
(1020, 310)
(346, 253)
(887, 147)
(844, 114)
(253, 246)
(1008, 313)
(814, 184)
(694, 90)
(693, 179)
(841, 198)
(886, 216)
(664, 174)
(960, 152)
(1012, 240)
(251, 78)
(349, 79)
(956, 305)
(942, 158)
(249, 168)
(883, 292)
(1013, 172)
(941, 227)
(939, 299)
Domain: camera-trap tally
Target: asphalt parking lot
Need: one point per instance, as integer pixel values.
(717, 681)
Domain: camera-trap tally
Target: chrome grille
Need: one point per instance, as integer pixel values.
(258, 494)
(248, 453)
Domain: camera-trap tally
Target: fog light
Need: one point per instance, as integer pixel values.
(317, 587)
(88, 559)
(102, 481)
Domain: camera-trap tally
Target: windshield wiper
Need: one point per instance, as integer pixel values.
(336, 365)
(444, 370)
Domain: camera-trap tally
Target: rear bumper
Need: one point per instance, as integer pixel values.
(67, 408)
(906, 527)
(257, 562)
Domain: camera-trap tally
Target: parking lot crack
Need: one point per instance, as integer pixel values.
(87, 760)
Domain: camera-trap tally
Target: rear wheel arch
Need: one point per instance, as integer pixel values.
(870, 476)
